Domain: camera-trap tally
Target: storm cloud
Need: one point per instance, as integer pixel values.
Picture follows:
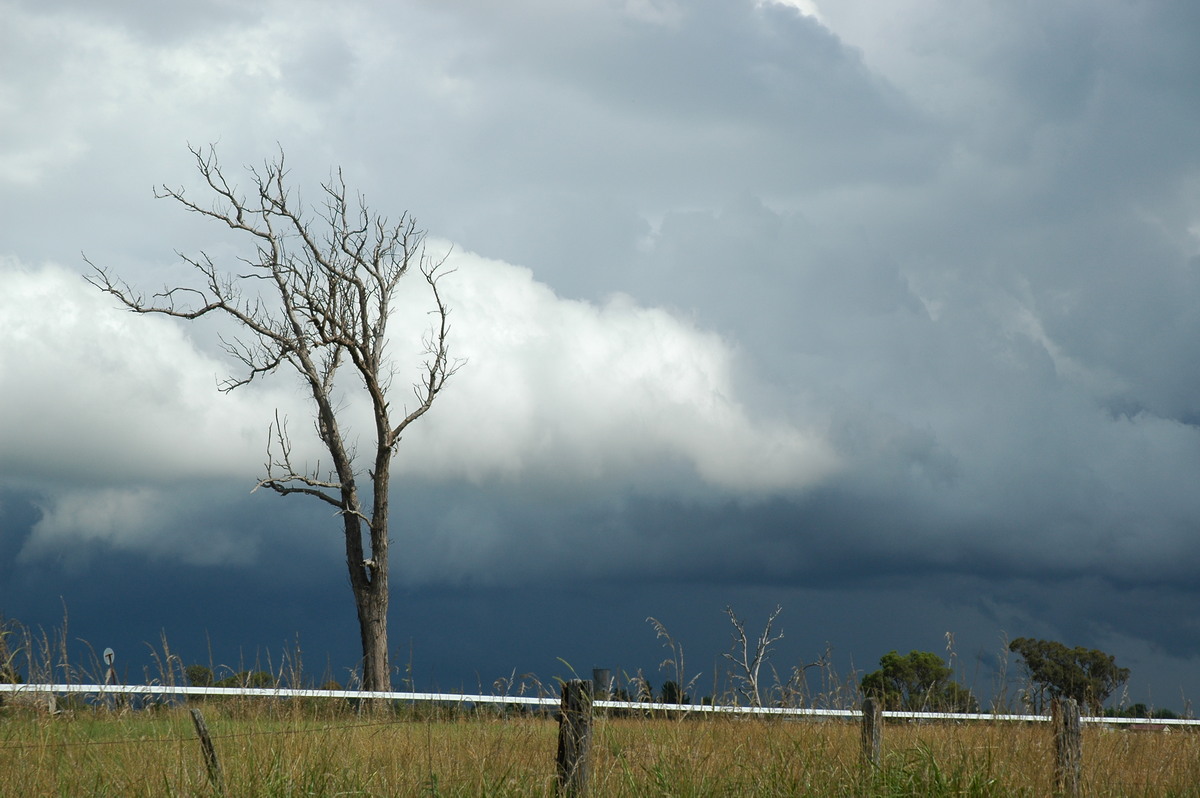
(823, 304)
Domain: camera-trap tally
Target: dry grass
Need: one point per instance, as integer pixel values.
(322, 747)
(280, 748)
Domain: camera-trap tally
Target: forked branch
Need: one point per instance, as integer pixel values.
(751, 664)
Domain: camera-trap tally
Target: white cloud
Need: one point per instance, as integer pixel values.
(150, 521)
(97, 394)
(73, 83)
(553, 389)
(806, 7)
(563, 389)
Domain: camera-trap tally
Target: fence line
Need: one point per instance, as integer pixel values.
(547, 701)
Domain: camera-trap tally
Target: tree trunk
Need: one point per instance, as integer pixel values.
(369, 581)
(372, 604)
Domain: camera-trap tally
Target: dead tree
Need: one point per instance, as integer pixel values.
(316, 296)
(750, 664)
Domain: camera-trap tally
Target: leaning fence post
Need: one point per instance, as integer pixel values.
(210, 754)
(1068, 745)
(574, 738)
(872, 732)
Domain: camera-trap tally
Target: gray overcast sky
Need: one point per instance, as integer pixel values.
(888, 312)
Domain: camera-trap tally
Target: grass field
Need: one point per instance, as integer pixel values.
(280, 748)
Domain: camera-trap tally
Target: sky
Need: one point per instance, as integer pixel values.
(884, 313)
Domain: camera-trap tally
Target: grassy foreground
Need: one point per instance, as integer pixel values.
(277, 749)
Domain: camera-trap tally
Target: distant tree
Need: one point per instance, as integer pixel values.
(253, 679)
(316, 292)
(672, 693)
(1088, 675)
(199, 675)
(1141, 711)
(917, 681)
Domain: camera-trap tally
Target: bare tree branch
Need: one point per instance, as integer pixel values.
(751, 664)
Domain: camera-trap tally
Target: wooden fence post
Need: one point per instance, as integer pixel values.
(602, 683)
(1068, 746)
(574, 738)
(210, 754)
(872, 732)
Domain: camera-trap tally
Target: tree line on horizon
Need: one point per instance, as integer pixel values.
(916, 681)
(920, 680)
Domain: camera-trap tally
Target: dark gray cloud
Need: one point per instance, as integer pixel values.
(877, 309)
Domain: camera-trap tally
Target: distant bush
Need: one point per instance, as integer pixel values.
(199, 675)
(1141, 711)
(672, 693)
(252, 679)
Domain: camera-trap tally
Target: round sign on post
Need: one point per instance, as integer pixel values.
(110, 675)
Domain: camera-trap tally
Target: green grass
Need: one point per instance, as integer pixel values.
(277, 748)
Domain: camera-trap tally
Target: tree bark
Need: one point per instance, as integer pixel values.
(368, 579)
(372, 606)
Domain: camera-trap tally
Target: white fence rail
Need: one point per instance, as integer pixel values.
(149, 690)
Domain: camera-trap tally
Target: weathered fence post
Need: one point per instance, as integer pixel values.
(602, 683)
(1068, 746)
(574, 738)
(210, 754)
(872, 732)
